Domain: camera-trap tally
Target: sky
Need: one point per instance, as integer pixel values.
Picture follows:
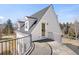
(15, 12)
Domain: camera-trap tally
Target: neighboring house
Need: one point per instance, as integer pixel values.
(41, 25)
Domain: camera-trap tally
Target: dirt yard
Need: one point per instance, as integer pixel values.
(72, 44)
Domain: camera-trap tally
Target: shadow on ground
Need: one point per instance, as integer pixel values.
(44, 40)
(73, 47)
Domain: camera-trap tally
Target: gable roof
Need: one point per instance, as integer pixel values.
(38, 15)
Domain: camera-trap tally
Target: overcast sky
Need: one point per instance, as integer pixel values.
(66, 13)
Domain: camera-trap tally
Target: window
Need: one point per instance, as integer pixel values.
(43, 29)
(26, 25)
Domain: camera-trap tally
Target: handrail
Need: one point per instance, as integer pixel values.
(31, 50)
(10, 39)
(11, 45)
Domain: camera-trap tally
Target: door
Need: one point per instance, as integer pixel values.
(43, 29)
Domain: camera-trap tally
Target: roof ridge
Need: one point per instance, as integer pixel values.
(44, 9)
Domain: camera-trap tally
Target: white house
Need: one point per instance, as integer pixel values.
(41, 25)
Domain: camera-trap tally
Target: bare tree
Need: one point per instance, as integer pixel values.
(8, 28)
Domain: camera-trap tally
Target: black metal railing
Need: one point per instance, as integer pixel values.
(17, 46)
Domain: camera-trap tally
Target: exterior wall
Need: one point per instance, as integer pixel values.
(18, 26)
(37, 33)
(23, 42)
(52, 27)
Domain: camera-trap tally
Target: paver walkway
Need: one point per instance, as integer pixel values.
(59, 49)
(41, 49)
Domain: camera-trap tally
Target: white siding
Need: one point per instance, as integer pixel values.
(18, 25)
(52, 26)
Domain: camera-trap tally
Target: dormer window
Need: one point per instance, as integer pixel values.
(26, 25)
